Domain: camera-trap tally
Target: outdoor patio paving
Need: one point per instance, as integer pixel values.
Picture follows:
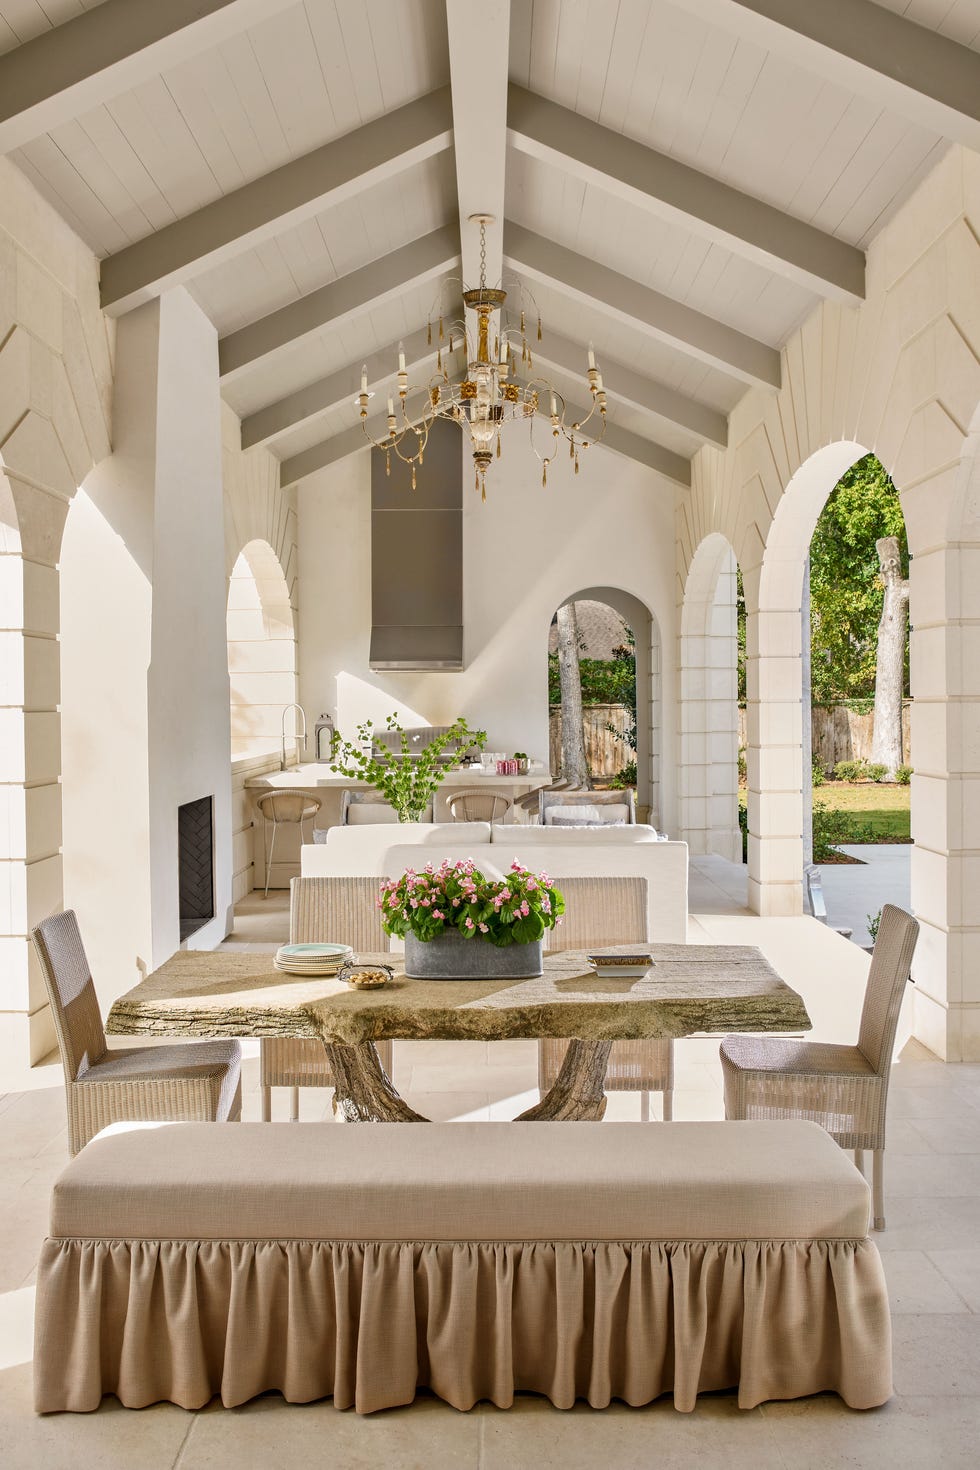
(931, 1251)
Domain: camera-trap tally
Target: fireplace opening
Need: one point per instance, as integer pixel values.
(195, 858)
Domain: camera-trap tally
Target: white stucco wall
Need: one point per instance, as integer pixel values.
(526, 550)
(146, 696)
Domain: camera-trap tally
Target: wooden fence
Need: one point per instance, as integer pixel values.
(840, 734)
(606, 754)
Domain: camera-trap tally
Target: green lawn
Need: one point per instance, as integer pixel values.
(884, 809)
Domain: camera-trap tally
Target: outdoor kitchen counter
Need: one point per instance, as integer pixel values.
(317, 777)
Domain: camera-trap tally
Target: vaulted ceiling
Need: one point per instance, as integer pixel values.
(680, 183)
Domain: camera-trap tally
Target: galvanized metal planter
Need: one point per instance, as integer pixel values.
(451, 957)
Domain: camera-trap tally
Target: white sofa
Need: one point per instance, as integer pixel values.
(569, 852)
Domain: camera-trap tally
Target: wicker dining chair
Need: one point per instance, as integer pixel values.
(162, 1084)
(478, 806)
(843, 1088)
(321, 911)
(600, 912)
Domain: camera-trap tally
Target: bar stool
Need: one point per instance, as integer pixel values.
(283, 808)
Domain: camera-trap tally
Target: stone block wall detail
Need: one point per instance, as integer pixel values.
(56, 356)
(899, 376)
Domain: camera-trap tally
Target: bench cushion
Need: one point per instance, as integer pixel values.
(463, 1181)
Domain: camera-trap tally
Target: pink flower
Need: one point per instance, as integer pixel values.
(504, 894)
(524, 908)
(484, 928)
(455, 903)
(427, 903)
(469, 923)
(545, 906)
(438, 914)
(415, 903)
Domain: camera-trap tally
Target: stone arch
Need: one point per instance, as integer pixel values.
(774, 689)
(649, 672)
(261, 650)
(54, 426)
(708, 776)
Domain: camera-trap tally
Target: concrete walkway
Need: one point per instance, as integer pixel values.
(851, 892)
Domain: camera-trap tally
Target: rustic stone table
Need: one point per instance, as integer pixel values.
(689, 988)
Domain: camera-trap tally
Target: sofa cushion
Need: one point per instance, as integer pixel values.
(462, 1181)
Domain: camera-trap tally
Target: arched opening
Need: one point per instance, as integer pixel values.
(708, 785)
(261, 652)
(779, 787)
(615, 625)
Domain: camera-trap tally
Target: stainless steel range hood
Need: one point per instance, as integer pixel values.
(417, 558)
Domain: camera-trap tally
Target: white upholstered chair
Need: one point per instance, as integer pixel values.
(600, 912)
(168, 1084)
(321, 911)
(843, 1088)
(576, 808)
(368, 808)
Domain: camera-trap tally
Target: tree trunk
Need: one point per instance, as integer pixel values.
(573, 767)
(886, 745)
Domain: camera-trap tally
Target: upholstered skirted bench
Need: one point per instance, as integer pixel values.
(575, 1260)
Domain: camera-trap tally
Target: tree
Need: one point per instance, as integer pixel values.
(886, 745)
(846, 591)
(573, 767)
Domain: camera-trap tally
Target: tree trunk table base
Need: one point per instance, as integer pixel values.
(364, 1093)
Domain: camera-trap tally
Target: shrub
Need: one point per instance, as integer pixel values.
(743, 822)
(903, 775)
(875, 772)
(624, 778)
(743, 764)
(831, 828)
(873, 920)
(850, 770)
(819, 774)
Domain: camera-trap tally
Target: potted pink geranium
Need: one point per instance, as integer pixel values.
(458, 924)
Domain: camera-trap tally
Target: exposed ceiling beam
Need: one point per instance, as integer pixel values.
(361, 290)
(347, 166)
(673, 466)
(105, 51)
(628, 170)
(870, 50)
(479, 34)
(338, 446)
(337, 388)
(670, 321)
(625, 385)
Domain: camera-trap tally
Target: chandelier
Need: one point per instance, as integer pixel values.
(490, 393)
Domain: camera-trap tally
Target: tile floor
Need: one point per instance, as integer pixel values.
(931, 1251)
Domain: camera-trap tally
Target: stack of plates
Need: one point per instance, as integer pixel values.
(312, 959)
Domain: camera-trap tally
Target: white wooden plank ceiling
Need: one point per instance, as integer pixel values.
(744, 92)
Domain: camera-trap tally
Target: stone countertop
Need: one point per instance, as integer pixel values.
(690, 988)
(318, 773)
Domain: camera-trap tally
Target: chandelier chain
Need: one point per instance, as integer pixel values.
(483, 255)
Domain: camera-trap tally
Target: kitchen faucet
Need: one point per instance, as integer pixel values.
(297, 738)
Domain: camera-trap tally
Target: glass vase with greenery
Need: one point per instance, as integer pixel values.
(407, 782)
